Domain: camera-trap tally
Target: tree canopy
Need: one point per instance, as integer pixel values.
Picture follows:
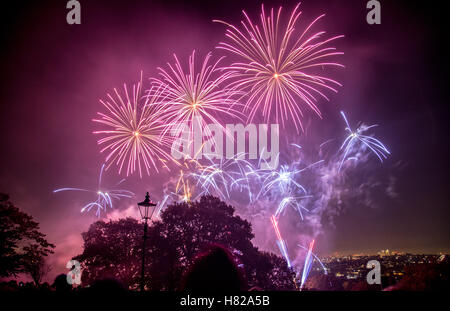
(114, 248)
(23, 247)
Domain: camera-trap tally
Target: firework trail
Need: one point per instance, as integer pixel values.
(278, 65)
(249, 177)
(196, 97)
(284, 180)
(183, 189)
(284, 186)
(225, 176)
(134, 135)
(307, 265)
(280, 242)
(293, 201)
(221, 178)
(355, 141)
(316, 258)
(185, 184)
(161, 205)
(105, 196)
(215, 178)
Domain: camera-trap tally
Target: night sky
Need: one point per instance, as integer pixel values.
(53, 75)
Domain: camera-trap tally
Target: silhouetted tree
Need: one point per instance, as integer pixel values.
(113, 249)
(22, 246)
(34, 263)
(60, 284)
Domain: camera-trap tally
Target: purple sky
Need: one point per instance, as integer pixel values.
(54, 74)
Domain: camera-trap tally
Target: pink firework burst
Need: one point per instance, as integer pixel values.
(196, 97)
(279, 65)
(134, 134)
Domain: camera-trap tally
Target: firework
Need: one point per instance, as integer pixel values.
(280, 242)
(278, 66)
(134, 134)
(247, 178)
(213, 178)
(307, 265)
(196, 97)
(284, 180)
(356, 142)
(316, 258)
(105, 196)
(227, 174)
(184, 188)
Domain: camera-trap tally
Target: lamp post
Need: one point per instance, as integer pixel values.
(144, 209)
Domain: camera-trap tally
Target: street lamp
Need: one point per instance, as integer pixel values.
(146, 209)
